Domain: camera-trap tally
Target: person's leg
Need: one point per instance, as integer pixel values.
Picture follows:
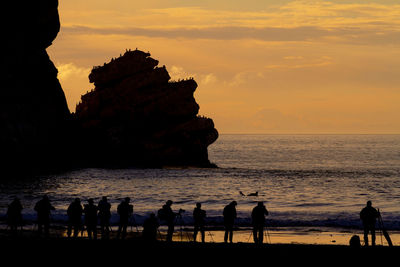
(260, 234)
(255, 232)
(40, 228)
(195, 231)
(373, 236)
(124, 230)
(46, 227)
(226, 234)
(94, 229)
(69, 231)
(366, 235)
(203, 234)
(170, 232)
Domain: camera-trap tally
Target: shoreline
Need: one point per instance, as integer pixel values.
(272, 235)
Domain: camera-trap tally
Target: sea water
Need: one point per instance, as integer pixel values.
(304, 180)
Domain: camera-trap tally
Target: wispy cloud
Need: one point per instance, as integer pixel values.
(297, 34)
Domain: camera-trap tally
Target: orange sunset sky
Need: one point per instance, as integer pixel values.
(262, 66)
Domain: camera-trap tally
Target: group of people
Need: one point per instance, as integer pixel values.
(93, 214)
(101, 213)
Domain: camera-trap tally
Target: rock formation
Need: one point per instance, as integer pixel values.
(136, 116)
(34, 117)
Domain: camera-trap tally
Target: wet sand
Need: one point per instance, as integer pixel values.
(272, 236)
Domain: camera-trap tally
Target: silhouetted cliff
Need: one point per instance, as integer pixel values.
(34, 117)
(136, 116)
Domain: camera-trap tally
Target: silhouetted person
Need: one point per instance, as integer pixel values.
(74, 213)
(229, 214)
(125, 211)
(199, 216)
(166, 214)
(258, 219)
(90, 212)
(368, 217)
(355, 241)
(150, 228)
(14, 215)
(43, 208)
(104, 215)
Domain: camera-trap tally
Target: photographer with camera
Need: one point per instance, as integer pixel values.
(125, 211)
(199, 216)
(166, 214)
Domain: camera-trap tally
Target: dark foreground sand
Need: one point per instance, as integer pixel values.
(28, 248)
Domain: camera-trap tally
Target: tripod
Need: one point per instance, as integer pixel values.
(383, 231)
(179, 220)
(134, 222)
(265, 234)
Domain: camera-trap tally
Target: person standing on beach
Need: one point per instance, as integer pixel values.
(125, 211)
(74, 213)
(166, 214)
(43, 208)
(150, 228)
(368, 217)
(14, 215)
(258, 219)
(229, 214)
(199, 216)
(104, 215)
(90, 212)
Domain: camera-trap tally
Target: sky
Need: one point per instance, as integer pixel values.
(262, 66)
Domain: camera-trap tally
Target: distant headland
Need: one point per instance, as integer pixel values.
(135, 116)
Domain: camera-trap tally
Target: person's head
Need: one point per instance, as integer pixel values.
(77, 200)
(260, 204)
(234, 203)
(369, 203)
(127, 199)
(169, 202)
(46, 197)
(90, 201)
(104, 199)
(198, 205)
(152, 215)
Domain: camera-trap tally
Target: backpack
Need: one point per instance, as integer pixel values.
(161, 214)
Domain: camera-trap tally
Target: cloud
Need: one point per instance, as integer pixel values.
(74, 81)
(208, 79)
(178, 73)
(215, 33)
(349, 35)
(70, 70)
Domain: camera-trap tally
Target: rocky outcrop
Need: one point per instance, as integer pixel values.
(136, 116)
(34, 117)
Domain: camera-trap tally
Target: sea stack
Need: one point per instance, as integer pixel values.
(34, 116)
(137, 116)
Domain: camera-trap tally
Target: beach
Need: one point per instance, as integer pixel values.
(272, 236)
(313, 248)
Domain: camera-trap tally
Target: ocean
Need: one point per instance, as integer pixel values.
(304, 180)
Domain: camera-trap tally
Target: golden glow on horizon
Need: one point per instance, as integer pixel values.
(266, 67)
